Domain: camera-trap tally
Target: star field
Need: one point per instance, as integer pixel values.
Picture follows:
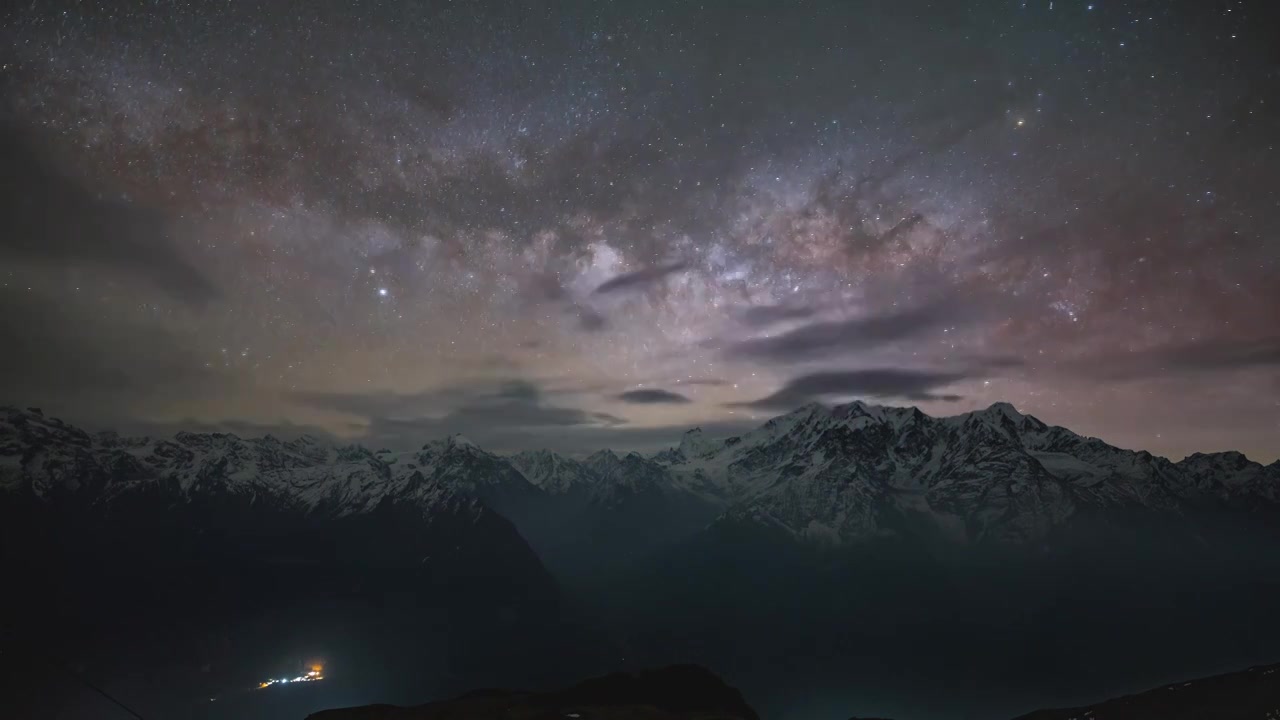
(587, 224)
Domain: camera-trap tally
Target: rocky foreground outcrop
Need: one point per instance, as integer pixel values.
(679, 692)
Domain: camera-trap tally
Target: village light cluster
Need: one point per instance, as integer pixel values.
(315, 673)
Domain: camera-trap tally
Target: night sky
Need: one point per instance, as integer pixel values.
(584, 225)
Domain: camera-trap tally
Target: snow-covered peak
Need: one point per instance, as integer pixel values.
(855, 409)
(1229, 469)
(451, 443)
(1004, 419)
(1004, 408)
(695, 443)
(456, 448)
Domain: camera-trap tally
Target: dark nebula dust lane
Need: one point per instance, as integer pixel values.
(584, 225)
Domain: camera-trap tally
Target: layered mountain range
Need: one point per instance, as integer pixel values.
(201, 558)
(840, 540)
(823, 474)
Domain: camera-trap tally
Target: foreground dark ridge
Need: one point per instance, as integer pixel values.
(686, 691)
(1252, 694)
(676, 692)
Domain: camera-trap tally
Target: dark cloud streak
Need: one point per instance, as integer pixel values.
(477, 411)
(824, 339)
(763, 315)
(653, 396)
(916, 385)
(640, 278)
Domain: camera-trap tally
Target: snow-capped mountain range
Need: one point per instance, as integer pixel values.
(827, 474)
(850, 471)
(56, 461)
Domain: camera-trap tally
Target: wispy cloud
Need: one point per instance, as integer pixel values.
(49, 216)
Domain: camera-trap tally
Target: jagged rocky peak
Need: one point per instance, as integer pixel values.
(691, 439)
(1230, 468)
(1006, 409)
(35, 427)
(806, 415)
(451, 443)
(459, 440)
(1229, 458)
(853, 409)
(603, 460)
(1006, 417)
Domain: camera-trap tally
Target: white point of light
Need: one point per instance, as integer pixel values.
(382, 292)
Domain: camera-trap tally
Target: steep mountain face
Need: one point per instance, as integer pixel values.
(957, 549)
(555, 474)
(606, 510)
(464, 467)
(620, 479)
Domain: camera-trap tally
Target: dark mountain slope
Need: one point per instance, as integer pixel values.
(673, 693)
